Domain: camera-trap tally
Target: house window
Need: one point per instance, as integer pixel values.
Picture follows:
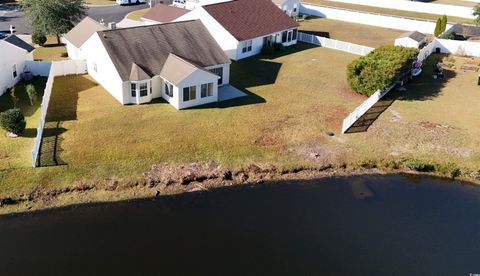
(169, 89)
(133, 89)
(189, 93)
(219, 72)
(143, 89)
(14, 71)
(95, 66)
(284, 36)
(295, 33)
(207, 90)
(287, 36)
(246, 46)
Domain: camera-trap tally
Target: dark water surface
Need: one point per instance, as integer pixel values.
(411, 226)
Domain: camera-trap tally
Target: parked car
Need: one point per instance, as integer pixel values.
(127, 2)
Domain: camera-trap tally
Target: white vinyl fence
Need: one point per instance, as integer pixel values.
(335, 44)
(57, 68)
(372, 19)
(363, 108)
(413, 6)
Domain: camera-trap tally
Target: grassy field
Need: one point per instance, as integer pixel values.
(137, 15)
(16, 153)
(350, 32)
(419, 15)
(294, 101)
(51, 51)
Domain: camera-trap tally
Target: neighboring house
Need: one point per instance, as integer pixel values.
(14, 55)
(412, 39)
(290, 7)
(464, 32)
(243, 27)
(79, 35)
(180, 62)
(163, 14)
(193, 4)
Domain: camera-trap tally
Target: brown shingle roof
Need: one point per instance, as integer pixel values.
(177, 69)
(247, 19)
(83, 31)
(150, 46)
(417, 36)
(164, 13)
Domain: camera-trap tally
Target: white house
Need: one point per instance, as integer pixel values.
(76, 38)
(180, 62)
(411, 39)
(290, 7)
(243, 27)
(14, 55)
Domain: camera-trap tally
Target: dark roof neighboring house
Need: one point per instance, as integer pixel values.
(417, 36)
(149, 47)
(164, 13)
(465, 30)
(247, 19)
(83, 31)
(14, 40)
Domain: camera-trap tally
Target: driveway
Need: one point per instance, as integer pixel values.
(12, 16)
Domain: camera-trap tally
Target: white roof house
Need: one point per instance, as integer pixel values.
(14, 55)
(79, 35)
(179, 62)
(243, 27)
(290, 7)
(412, 39)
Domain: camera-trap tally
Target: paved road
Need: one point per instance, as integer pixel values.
(9, 16)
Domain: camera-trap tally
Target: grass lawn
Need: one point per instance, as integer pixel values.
(16, 153)
(138, 14)
(51, 51)
(388, 11)
(350, 32)
(295, 100)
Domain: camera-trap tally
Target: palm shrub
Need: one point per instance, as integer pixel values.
(438, 27)
(380, 68)
(32, 93)
(13, 121)
(444, 24)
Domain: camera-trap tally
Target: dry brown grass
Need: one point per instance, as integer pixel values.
(351, 32)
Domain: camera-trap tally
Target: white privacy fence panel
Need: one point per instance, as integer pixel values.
(404, 5)
(372, 19)
(363, 108)
(335, 44)
(39, 68)
(56, 68)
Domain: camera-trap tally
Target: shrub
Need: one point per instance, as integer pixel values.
(476, 13)
(13, 121)
(444, 23)
(380, 68)
(39, 38)
(268, 50)
(438, 27)
(278, 47)
(64, 54)
(450, 36)
(420, 166)
(32, 93)
(449, 169)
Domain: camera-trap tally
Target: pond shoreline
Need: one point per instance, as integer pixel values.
(167, 180)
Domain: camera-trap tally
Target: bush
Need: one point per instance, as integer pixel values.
(268, 50)
(32, 93)
(13, 121)
(450, 36)
(380, 68)
(64, 54)
(39, 38)
(278, 47)
(449, 169)
(438, 27)
(420, 166)
(444, 23)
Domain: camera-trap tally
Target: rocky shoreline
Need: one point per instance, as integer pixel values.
(164, 179)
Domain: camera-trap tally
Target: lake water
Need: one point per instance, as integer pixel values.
(409, 226)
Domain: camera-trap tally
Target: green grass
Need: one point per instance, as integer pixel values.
(351, 32)
(419, 15)
(16, 153)
(294, 99)
(51, 51)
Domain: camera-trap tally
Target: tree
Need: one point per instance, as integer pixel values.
(476, 13)
(444, 23)
(438, 27)
(39, 38)
(380, 68)
(53, 17)
(13, 121)
(32, 93)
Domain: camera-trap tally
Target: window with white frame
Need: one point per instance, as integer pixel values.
(219, 72)
(206, 90)
(246, 46)
(189, 93)
(168, 89)
(133, 90)
(140, 88)
(15, 71)
(143, 89)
